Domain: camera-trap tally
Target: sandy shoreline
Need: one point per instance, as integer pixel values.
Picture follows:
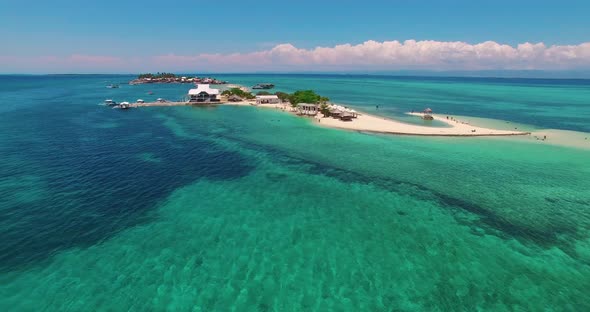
(377, 124)
(457, 127)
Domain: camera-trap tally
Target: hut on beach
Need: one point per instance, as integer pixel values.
(307, 109)
(203, 94)
(346, 116)
(234, 98)
(267, 99)
(334, 112)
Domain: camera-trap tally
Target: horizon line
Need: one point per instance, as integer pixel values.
(585, 74)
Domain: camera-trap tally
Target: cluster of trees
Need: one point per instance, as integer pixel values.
(306, 96)
(239, 92)
(302, 96)
(283, 96)
(157, 75)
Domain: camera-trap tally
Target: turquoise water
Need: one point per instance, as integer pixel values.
(237, 208)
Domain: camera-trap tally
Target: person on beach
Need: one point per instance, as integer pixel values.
(377, 107)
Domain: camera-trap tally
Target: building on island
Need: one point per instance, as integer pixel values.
(203, 94)
(308, 109)
(234, 98)
(346, 116)
(335, 112)
(267, 99)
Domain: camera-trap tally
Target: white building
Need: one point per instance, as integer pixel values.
(203, 93)
(267, 99)
(308, 109)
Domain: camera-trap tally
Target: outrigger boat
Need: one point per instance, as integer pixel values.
(110, 103)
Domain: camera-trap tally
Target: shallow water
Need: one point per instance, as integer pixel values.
(220, 208)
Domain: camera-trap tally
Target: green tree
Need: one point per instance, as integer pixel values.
(304, 96)
(282, 96)
(239, 92)
(263, 93)
(324, 109)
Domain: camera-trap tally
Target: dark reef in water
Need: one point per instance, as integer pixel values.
(95, 185)
(490, 222)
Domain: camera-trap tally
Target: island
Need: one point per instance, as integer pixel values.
(307, 103)
(172, 78)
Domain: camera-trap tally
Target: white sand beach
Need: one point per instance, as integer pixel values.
(372, 123)
(457, 126)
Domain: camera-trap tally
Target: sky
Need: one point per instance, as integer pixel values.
(110, 36)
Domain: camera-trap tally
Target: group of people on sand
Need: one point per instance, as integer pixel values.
(538, 138)
(456, 120)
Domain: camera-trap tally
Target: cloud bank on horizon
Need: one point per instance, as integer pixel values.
(369, 55)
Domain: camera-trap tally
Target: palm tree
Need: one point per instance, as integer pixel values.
(324, 109)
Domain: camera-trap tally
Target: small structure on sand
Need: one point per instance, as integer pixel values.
(124, 105)
(267, 99)
(234, 98)
(203, 94)
(341, 112)
(334, 112)
(346, 116)
(427, 114)
(307, 109)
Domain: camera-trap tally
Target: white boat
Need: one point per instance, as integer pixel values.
(124, 105)
(140, 101)
(110, 103)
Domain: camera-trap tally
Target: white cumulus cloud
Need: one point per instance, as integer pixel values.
(391, 55)
(369, 55)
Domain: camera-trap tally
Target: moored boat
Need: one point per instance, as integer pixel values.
(264, 86)
(124, 105)
(110, 103)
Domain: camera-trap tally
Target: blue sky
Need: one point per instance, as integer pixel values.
(125, 29)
